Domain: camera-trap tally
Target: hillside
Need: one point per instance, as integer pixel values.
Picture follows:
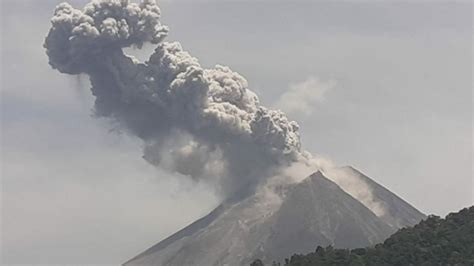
(433, 241)
(271, 224)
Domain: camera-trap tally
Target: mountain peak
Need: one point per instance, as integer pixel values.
(318, 177)
(272, 225)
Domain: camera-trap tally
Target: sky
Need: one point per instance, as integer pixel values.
(383, 86)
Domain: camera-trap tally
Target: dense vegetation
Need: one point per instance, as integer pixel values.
(434, 241)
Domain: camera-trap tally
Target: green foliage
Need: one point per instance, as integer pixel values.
(434, 241)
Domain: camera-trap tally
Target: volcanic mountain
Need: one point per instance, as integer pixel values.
(326, 208)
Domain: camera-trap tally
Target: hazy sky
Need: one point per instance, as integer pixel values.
(384, 87)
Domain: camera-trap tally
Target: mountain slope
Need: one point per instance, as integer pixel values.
(271, 223)
(393, 210)
(317, 211)
(433, 241)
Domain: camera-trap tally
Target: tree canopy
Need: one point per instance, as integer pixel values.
(434, 241)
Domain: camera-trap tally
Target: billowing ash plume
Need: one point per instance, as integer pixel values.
(204, 123)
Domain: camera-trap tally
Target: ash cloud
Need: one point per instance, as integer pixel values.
(203, 123)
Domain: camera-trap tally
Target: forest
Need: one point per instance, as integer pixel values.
(433, 241)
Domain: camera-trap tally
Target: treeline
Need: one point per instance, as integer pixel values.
(434, 241)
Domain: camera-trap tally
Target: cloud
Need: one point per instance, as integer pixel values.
(170, 98)
(302, 97)
(203, 123)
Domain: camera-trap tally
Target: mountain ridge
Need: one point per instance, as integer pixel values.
(316, 210)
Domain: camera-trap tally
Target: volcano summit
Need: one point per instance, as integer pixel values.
(276, 222)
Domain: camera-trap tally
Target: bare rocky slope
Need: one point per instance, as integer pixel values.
(271, 225)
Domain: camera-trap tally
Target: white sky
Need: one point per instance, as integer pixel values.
(400, 110)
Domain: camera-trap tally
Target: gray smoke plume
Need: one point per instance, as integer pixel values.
(203, 123)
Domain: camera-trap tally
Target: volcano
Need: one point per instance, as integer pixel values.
(274, 223)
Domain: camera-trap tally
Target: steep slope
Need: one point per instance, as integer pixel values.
(226, 235)
(393, 210)
(270, 224)
(318, 212)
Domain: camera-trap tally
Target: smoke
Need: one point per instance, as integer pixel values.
(202, 123)
(351, 182)
(303, 96)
